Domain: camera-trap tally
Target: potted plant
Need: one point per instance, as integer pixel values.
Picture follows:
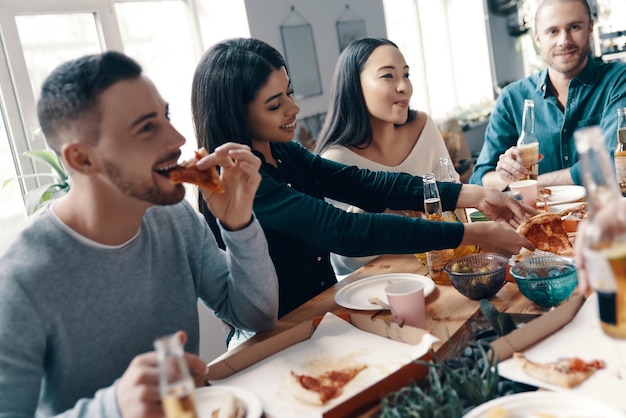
(56, 187)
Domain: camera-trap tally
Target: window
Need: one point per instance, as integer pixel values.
(445, 44)
(11, 203)
(41, 34)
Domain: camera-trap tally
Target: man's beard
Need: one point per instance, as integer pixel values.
(568, 67)
(146, 191)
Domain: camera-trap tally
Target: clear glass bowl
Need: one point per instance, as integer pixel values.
(546, 280)
(477, 284)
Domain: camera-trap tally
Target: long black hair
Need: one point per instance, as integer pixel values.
(229, 77)
(347, 121)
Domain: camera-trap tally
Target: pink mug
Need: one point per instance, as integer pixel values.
(408, 306)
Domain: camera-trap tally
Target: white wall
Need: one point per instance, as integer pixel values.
(266, 16)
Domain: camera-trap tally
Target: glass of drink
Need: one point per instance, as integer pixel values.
(175, 382)
(612, 294)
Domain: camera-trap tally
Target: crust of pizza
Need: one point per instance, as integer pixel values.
(578, 211)
(230, 407)
(547, 232)
(566, 372)
(319, 390)
(187, 172)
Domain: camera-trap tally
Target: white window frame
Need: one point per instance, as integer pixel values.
(16, 90)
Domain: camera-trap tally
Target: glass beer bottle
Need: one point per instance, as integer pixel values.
(528, 144)
(620, 150)
(604, 254)
(175, 382)
(436, 259)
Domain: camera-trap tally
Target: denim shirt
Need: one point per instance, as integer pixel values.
(593, 98)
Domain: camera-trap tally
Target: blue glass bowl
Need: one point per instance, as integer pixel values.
(547, 280)
(477, 284)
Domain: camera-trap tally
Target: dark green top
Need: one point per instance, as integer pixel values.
(302, 228)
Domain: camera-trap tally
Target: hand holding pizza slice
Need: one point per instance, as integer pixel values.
(547, 232)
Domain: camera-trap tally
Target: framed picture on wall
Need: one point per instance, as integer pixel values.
(350, 30)
(301, 59)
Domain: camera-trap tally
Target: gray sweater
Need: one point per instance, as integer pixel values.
(74, 313)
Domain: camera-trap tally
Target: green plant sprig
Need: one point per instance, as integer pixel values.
(60, 183)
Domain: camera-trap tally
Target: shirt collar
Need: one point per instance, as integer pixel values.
(586, 76)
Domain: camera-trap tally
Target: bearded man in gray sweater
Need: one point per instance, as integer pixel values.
(122, 259)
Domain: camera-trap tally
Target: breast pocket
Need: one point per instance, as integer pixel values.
(589, 121)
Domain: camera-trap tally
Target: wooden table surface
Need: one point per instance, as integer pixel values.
(447, 311)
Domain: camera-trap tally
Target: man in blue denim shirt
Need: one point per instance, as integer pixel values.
(573, 92)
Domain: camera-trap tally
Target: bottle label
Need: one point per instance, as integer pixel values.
(607, 307)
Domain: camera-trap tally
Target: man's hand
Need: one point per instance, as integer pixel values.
(508, 167)
(609, 224)
(240, 178)
(137, 391)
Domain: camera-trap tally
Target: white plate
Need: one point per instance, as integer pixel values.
(552, 404)
(209, 399)
(563, 194)
(354, 295)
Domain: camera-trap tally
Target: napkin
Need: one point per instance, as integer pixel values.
(582, 337)
(335, 343)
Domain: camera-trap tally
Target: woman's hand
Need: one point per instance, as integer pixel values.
(493, 237)
(495, 205)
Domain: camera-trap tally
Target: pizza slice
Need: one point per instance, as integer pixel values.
(547, 232)
(566, 372)
(319, 390)
(187, 172)
(578, 211)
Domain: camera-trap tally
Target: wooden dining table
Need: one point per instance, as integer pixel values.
(447, 311)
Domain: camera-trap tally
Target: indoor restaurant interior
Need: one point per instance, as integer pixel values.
(461, 54)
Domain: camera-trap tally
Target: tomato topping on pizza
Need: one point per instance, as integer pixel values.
(187, 172)
(547, 232)
(567, 371)
(319, 390)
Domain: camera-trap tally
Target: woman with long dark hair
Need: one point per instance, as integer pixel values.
(369, 123)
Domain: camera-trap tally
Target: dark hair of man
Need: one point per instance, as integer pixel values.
(72, 91)
(348, 121)
(547, 2)
(227, 79)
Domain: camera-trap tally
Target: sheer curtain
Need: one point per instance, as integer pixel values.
(445, 44)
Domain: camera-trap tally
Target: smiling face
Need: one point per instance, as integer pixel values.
(386, 86)
(137, 141)
(272, 113)
(562, 34)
